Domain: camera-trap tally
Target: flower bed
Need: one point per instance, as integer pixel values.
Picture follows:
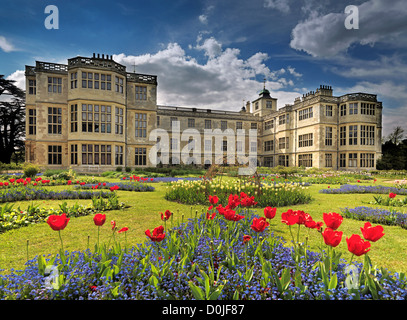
(127, 186)
(227, 253)
(275, 194)
(36, 193)
(351, 188)
(11, 218)
(377, 215)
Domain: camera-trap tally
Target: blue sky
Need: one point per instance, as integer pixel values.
(215, 54)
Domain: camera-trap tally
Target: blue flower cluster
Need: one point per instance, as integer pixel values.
(377, 215)
(128, 186)
(351, 188)
(263, 268)
(35, 193)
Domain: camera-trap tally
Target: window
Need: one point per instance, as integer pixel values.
(32, 86)
(305, 140)
(54, 85)
(74, 154)
(305, 114)
(328, 160)
(191, 123)
(353, 160)
(268, 161)
(96, 154)
(223, 125)
(285, 118)
(353, 108)
(256, 106)
(224, 145)
(239, 146)
(119, 84)
(54, 154)
(269, 125)
(367, 108)
(283, 143)
(140, 157)
(92, 80)
(208, 124)
(342, 136)
(283, 160)
(172, 120)
(328, 111)
(32, 121)
(96, 118)
(141, 93)
(239, 125)
(253, 146)
(328, 136)
(74, 80)
(141, 125)
(342, 160)
(158, 120)
(74, 118)
(268, 145)
(269, 104)
(353, 135)
(305, 160)
(208, 145)
(118, 120)
(253, 125)
(367, 135)
(105, 82)
(343, 110)
(54, 120)
(119, 155)
(367, 160)
(173, 144)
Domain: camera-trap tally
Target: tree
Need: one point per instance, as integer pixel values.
(397, 135)
(12, 119)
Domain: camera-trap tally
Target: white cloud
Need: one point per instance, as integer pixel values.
(380, 21)
(19, 78)
(5, 45)
(280, 5)
(203, 18)
(221, 82)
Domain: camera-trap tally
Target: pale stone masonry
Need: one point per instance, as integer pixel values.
(93, 115)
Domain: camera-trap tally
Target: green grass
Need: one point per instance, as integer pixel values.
(144, 213)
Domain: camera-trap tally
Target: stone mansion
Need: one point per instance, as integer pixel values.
(92, 114)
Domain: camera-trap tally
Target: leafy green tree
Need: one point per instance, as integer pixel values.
(12, 119)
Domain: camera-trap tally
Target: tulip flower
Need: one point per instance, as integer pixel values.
(392, 195)
(231, 215)
(331, 237)
(332, 220)
(213, 199)
(270, 212)
(372, 233)
(289, 217)
(58, 223)
(357, 246)
(246, 238)
(158, 234)
(99, 219)
(165, 216)
(259, 224)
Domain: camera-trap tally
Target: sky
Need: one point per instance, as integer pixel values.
(220, 53)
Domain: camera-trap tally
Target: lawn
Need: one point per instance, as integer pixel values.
(143, 212)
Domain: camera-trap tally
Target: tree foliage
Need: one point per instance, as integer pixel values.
(12, 119)
(394, 152)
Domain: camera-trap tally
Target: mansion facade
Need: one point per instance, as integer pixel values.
(94, 115)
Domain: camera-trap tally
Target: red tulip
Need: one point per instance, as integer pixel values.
(123, 230)
(392, 195)
(372, 233)
(289, 217)
(313, 224)
(158, 234)
(210, 216)
(165, 216)
(58, 222)
(331, 237)
(113, 224)
(69, 182)
(246, 238)
(99, 219)
(12, 180)
(270, 212)
(231, 215)
(357, 245)
(332, 220)
(233, 201)
(259, 224)
(213, 199)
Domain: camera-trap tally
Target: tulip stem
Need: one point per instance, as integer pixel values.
(62, 244)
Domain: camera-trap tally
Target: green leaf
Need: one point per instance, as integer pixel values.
(196, 291)
(333, 282)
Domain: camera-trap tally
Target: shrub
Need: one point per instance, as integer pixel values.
(30, 170)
